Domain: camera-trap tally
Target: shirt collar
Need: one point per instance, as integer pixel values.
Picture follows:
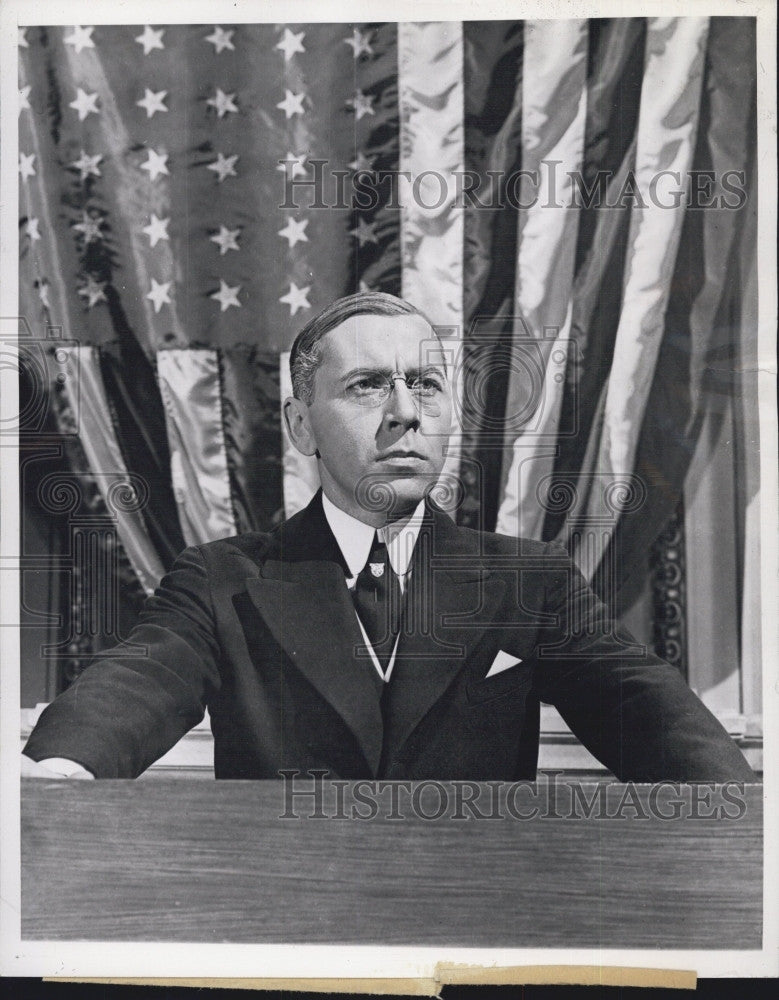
(355, 537)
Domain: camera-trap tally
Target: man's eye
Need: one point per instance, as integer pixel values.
(427, 386)
(366, 384)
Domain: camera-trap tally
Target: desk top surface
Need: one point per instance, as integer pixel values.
(549, 865)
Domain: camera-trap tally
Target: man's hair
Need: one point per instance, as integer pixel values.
(305, 355)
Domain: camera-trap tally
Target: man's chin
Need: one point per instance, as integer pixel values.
(411, 489)
(394, 494)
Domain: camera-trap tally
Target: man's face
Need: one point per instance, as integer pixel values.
(374, 444)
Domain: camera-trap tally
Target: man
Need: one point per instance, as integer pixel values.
(368, 635)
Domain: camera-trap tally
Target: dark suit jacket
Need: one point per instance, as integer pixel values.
(261, 629)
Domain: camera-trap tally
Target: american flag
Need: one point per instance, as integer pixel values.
(192, 195)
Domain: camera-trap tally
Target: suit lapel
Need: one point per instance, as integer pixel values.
(449, 602)
(303, 598)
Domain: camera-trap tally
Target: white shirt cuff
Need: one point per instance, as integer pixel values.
(67, 768)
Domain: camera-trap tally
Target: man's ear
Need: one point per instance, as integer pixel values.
(298, 423)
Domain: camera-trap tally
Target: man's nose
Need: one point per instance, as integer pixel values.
(400, 410)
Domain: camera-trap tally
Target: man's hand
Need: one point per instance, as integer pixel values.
(33, 769)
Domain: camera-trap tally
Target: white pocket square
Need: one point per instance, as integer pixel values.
(502, 662)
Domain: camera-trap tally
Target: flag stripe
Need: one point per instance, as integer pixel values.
(554, 99)
(138, 418)
(594, 319)
(668, 119)
(252, 433)
(189, 383)
(697, 356)
(613, 97)
(493, 123)
(614, 75)
(729, 92)
(95, 430)
(493, 119)
(432, 150)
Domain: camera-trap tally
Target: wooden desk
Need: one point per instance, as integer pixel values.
(174, 860)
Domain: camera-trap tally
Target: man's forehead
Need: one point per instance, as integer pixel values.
(380, 340)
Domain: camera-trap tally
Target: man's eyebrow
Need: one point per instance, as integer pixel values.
(439, 367)
(431, 366)
(366, 370)
(430, 369)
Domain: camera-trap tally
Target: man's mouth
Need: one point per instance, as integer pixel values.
(401, 455)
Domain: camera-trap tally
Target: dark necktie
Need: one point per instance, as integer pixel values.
(377, 599)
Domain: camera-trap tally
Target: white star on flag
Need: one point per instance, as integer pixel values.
(364, 232)
(222, 102)
(226, 239)
(150, 39)
(226, 296)
(224, 166)
(152, 101)
(291, 43)
(81, 39)
(32, 229)
(22, 38)
(156, 164)
(156, 230)
(221, 39)
(296, 298)
(89, 227)
(26, 168)
(92, 290)
(87, 165)
(360, 43)
(361, 162)
(361, 104)
(292, 103)
(293, 166)
(159, 294)
(295, 232)
(24, 98)
(84, 103)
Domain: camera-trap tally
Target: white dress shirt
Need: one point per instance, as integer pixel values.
(355, 539)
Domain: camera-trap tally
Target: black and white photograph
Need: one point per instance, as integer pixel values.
(389, 488)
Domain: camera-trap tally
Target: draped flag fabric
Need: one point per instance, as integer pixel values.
(554, 99)
(563, 199)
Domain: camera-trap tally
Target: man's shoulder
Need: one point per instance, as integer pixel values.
(247, 547)
(494, 543)
(256, 546)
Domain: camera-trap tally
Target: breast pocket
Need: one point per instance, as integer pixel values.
(510, 681)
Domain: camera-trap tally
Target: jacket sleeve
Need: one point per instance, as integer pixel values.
(138, 699)
(631, 709)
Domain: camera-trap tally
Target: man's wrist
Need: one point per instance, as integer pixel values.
(67, 768)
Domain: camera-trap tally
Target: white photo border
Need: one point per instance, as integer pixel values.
(154, 960)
